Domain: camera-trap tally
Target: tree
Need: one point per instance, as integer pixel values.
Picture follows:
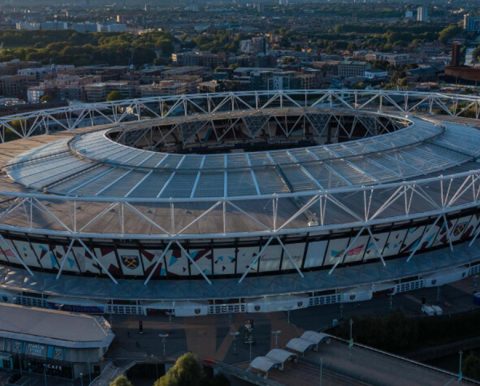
(476, 53)
(471, 366)
(121, 380)
(186, 371)
(46, 98)
(448, 33)
(114, 96)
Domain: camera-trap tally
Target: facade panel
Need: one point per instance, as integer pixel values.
(296, 252)
(315, 253)
(129, 260)
(224, 261)
(336, 251)
(26, 252)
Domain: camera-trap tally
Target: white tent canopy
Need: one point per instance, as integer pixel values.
(281, 356)
(315, 337)
(300, 345)
(262, 364)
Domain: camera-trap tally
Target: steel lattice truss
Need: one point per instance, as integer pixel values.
(85, 115)
(406, 192)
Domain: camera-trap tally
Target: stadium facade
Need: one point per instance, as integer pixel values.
(238, 202)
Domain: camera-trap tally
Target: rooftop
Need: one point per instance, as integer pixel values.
(53, 327)
(78, 166)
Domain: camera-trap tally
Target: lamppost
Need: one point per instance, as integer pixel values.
(321, 371)
(234, 335)
(45, 374)
(276, 334)
(89, 373)
(81, 379)
(250, 342)
(460, 371)
(350, 343)
(164, 337)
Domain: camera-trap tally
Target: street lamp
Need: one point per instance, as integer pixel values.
(276, 334)
(234, 335)
(164, 337)
(350, 343)
(321, 371)
(81, 379)
(460, 371)
(45, 374)
(250, 342)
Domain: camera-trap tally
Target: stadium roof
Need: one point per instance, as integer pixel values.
(94, 165)
(82, 182)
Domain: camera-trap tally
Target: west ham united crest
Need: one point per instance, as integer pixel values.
(130, 261)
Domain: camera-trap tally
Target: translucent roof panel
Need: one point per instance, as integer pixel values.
(93, 165)
(180, 185)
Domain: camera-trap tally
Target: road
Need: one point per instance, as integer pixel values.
(209, 336)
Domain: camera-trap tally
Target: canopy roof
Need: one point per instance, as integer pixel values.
(263, 364)
(300, 345)
(94, 165)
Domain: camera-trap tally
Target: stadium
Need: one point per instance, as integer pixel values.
(238, 202)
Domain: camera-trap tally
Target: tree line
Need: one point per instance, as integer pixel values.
(187, 371)
(70, 47)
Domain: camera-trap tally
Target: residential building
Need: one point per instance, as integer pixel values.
(471, 23)
(422, 14)
(113, 27)
(255, 45)
(27, 26)
(15, 85)
(98, 92)
(394, 59)
(375, 74)
(164, 87)
(197, 58)
(43, 72)
(11, 67)
(350, 68)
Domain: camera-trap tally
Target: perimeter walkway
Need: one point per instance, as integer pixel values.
(337, 364)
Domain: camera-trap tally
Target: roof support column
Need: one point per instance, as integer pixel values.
(157, 263)
(20, 260)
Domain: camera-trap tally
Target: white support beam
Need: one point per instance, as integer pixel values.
(194, 263)
(290, 258)
(94, 257)
(477, 233)
(344, 253)
(252, 173)
(255, 259)
(377, 248)
(65, 258)
(157, 263)
(304, 170)
(448, 233)
(424, 237)
(197, 178)
(15, 254)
